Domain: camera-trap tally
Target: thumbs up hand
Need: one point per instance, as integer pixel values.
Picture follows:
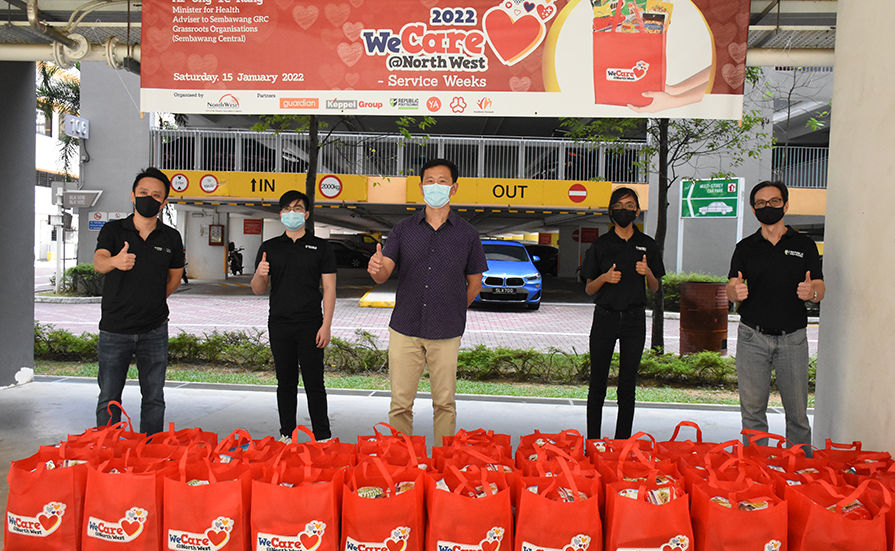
(263, 268)
(740, 290)
(642, 267)
(612, 276)
(806, 289)
(124, 260)
(375, 263)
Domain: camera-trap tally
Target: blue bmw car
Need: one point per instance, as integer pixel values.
(511, 277)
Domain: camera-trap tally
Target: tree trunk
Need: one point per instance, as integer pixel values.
(311, 181)
(658, 334)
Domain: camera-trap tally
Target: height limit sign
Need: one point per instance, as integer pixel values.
(710, 198)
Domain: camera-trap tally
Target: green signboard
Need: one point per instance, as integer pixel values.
(710, 198)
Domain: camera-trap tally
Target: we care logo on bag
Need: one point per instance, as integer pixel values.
(124, 530)
(677, 543)
(309, 540)
(211, 540)
(490, 543)
(396, 542)
(42, 525)
(635, 73)
(579, 543)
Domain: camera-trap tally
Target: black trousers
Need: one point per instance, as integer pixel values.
(628, 328)
(295, 351)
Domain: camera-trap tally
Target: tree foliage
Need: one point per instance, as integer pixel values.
(59, 91)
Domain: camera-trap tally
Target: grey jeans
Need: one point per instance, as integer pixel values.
(787, 355)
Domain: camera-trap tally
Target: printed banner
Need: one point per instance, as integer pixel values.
(587, 58)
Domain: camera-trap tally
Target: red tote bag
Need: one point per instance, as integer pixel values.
(634, 522)
(739, 515)
(206, 507)
(394, 521)
(847, 527)
(626, 64)
(123, 505)
(558, 512)
(297, 508)
(45, 507)
(469, 511)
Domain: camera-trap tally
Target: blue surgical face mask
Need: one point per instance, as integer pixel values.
(293, 220)
(436, 195)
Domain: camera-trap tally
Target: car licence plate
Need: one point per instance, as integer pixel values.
(503, 291)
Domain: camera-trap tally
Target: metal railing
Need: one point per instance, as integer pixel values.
(392, 155)
(801, 166)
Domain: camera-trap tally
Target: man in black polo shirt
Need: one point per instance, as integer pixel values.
(294, 264)
(772, 273)
(143, 262)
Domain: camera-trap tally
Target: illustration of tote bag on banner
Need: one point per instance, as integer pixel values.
(628, 60)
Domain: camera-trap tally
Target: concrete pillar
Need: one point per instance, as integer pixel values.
(118, 146)
(855, 378)
(17, 173)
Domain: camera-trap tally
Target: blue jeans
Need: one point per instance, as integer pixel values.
(787, 355)
(115, 351)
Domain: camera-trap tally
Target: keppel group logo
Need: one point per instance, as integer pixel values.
(628, 75)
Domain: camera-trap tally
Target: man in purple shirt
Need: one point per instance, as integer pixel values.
(440, 262)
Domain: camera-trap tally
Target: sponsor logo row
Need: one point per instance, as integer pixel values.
(434, 104)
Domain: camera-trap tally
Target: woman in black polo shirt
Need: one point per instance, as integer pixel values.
(616, 267)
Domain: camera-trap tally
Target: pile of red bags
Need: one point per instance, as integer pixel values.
(112, 489)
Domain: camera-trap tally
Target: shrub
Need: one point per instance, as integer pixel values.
(671, 285)
(81, 280)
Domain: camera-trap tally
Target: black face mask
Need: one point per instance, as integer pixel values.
(147, 206)
(623, 217)
(769, 215)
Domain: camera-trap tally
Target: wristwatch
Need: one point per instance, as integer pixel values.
(815, 296)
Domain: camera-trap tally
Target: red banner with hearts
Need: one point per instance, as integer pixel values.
(481, 58)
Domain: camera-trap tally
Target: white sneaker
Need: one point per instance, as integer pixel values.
(324, 440)
(285, 439)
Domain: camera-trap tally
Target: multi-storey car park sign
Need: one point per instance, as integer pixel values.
(590, 58)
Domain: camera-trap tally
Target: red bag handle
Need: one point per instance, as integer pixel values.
(687, 424)
(480, 456)
(734, 445)
(304, 429)
(756, 435)
(234, 438)
(830, 446)
(569, 478)
(383, 470)
(120, 407)
(857, 491)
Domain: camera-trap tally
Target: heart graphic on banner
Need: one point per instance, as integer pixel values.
(284, 4)
(337, 13)
(734, 75)
(173, 61)
(350, 53)
(724, 34)
(352, 30)
(528, 6)
(518, 84)
(264, 31)
(130, 528)
(721, 10)
(737, 51)
(356, 3)
(198, 64)
(149, 65)
(490, 545)
(546, 12)
(309, 541)
(305, 16)
(160, 38)
(429, 3)
(48, 522)
(217, 537)
(352, 78)
(331, 74)
(394, 545)
(331, 37)
(512, 40)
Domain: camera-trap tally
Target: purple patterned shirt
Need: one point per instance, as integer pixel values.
(432, 266)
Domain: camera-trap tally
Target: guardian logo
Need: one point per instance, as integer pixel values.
(628, 75)
(299, 103)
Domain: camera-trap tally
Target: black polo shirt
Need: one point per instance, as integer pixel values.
(773, 274)
(295, 270)
(135, 300)
(609, 249)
